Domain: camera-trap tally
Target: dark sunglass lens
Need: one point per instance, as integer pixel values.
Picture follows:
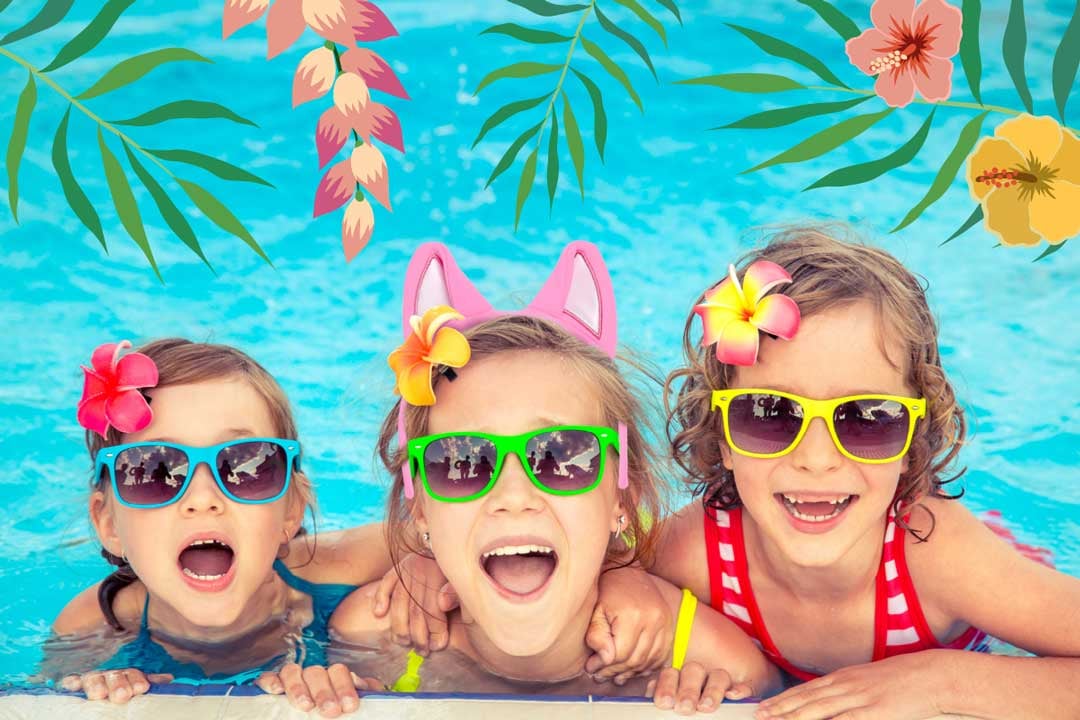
(253, 470)
(150, 474)
(459, 465)
(565, 460)
(872, 429)
(764, 423)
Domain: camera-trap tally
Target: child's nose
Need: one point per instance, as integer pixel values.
(202, 494)
(816, 452)
(514, 491)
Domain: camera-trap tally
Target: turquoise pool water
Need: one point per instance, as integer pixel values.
(668, 209)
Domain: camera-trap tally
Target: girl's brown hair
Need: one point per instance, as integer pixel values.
(826, 273)
(617, 404)
(182, 362)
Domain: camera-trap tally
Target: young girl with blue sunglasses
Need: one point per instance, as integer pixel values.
(199, 502)
(817, 424)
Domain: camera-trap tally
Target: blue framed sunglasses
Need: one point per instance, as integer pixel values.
(155, 474)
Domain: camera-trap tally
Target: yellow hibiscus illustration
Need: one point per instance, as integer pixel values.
(1027, 178)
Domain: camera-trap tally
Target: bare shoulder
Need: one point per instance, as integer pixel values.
(348, 557)
(680, 552)
(82, 615)
(354, 620)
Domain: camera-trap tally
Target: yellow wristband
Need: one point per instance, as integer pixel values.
(683, 625)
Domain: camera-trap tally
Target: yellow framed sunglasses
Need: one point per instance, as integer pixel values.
(762, 423)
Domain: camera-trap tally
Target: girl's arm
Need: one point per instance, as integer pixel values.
(680, 551)
(355, 556)
(965, 574)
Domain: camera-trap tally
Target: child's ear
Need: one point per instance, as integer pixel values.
(101, 515)
(619, 512)
(725, 455)
(294, 515)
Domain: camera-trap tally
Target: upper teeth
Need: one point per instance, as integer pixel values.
(205, 541)
(836, 501)
(518, 550)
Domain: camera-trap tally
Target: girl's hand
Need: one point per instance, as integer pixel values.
(331, 690)
(417, 600)
(631, 629)
(116, 686)
(905, 687)
(694, 689)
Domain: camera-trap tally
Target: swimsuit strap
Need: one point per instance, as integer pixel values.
(685, 621)
(144, 624)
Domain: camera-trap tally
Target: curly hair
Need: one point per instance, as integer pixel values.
(617, 403)
(181, 362)
(826, 273)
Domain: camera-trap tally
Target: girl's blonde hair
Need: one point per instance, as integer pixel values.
(826, 273)
(182, 362)
(617, 404)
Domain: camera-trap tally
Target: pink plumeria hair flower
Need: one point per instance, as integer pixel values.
(733, 313)
(111, 390)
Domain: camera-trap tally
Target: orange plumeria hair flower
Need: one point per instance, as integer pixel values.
(431, 343)
(733, 313)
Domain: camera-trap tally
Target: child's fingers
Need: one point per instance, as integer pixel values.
(384, 592)
(160, 678)
(269, 682)
(139, 683)
(599, 636)
(448, 598)
(295, 687)
(93, 684)
(341, 680)
(435, 625)
(367, 684)
(119, 686)
(72, 683)
(400, 602)
(691, 680)
(317, 680)
(739, 691)
(666, 686)
(419, 635)
(717, 684)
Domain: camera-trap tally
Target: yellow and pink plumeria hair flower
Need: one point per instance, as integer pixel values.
(733, 313)
(111, 390)
(429, 344)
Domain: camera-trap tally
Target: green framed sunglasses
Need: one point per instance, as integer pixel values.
(559, 460)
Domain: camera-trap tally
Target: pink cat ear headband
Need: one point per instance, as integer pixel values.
(440, 301)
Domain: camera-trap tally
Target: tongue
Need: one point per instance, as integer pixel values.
(207, 559)
(816, 508)
(520, 574)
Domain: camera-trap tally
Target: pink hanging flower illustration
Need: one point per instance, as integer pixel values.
(111, 390)
(349, 74)
(909, 49)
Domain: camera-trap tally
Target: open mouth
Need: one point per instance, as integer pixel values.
(206, 560)
(520, 570)
(818, 510)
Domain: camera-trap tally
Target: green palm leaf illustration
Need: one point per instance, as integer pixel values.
(865, 172)
(512, 152)
(224, 170)
(505, 113)
(548, 9)
(747, 82)
(973, 219)
(553, 160)
(968, 137)
(824, 141)
(969, 46)
(614, 70)
(599, 114)
(647, 17)
(17, 144)
(128, 71)
(184, 110)
(524, 34)
(517, 70)
(574, 143)
(528, 177)
(672, 8)
(633, 42)
(217, 213)
(124, 201)
(787, 51)
(1013, 47)
(1066, 60)
(786, 116)
(91, 35)
(73, 192)
(169, 212)
(835, 19)
(49, 15)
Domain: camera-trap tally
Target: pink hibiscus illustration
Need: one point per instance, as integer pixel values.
(908, 49)
(111, 390)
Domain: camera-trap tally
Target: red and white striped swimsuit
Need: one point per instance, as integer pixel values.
(899, 624)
